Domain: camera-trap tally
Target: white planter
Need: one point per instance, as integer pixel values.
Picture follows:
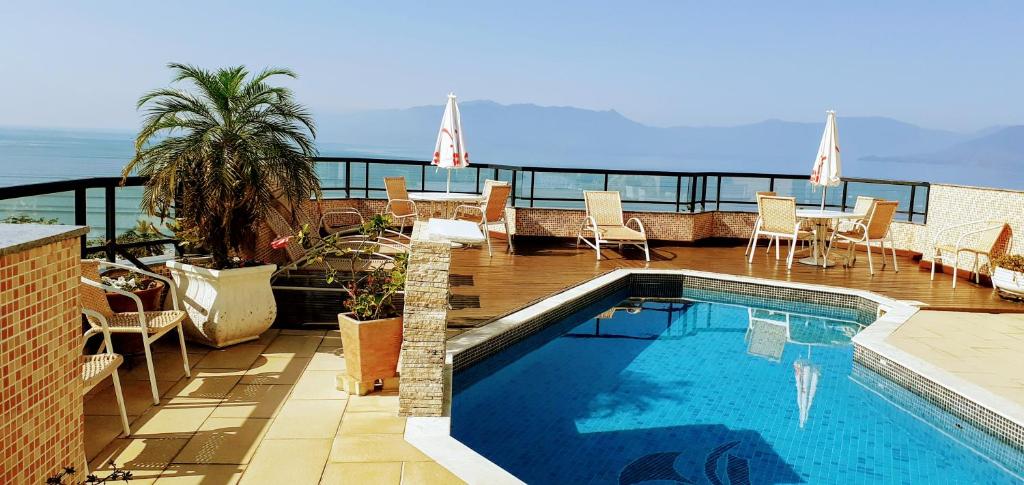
(1008, 281)
(227, 306)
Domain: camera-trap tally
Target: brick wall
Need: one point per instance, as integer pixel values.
(421, 384)
(40, 345)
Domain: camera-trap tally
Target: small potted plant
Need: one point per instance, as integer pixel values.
(1008, 276)
(371, 326)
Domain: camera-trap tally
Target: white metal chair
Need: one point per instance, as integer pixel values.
(492, 211)
(874, 228)
(340, 221)
(604, 222)
(752, 242)
(149, 325)
(978, 238)
(400, 207)
(97, 367)
(862, 206)
(778, 220)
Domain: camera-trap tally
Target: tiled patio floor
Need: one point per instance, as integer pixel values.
(982, 348)
(260, 412)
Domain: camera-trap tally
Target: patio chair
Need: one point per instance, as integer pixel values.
(604, 223)
(862, 206)
(104, 363)
(149, 325)
(752, 243)
(778, 220)
(400, 207)
(873, 228)
(492, 211)
(341, 221)
(487, 187)
(979, 238)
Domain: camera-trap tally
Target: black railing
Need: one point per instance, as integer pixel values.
(531, 187)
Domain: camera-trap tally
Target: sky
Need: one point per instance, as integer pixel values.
(940, 64)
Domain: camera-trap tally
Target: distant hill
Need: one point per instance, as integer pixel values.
(528, 134)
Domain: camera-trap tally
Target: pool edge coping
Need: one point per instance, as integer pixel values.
(433, 435)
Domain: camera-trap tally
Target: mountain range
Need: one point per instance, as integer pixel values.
(527, 134)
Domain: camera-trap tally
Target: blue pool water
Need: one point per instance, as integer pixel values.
(705, 392)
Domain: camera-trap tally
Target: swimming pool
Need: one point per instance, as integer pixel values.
(713, 391)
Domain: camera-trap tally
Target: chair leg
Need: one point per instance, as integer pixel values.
(152, 372)
(597, 247)
(184, 353)
(508, 235)
(956, 267)
(487, 236)
(871, 266)
(895, 265)
(881, 246)
(120, 402)
(792, 247)
(777, 244)
(934, 257)
(750, 258)
(647, 252)
(977, 277)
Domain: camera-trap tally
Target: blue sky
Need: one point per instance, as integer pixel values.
(940, 64)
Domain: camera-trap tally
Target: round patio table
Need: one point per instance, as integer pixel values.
(446, 199)
(820, 218)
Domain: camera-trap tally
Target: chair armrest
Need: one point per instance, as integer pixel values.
(104, 329)
(639, 224)
(387, 208)
(346, 211)
(136, 269)
(967, 234)
(132, 296)
(480, 209)
(591, 221)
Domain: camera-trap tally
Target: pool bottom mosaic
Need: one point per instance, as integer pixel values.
(719, 391)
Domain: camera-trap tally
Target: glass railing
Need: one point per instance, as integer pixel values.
(111, 209)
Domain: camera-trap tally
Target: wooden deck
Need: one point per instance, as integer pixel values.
(485, 288)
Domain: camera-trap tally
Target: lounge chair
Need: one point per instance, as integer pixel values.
(492, 211)
(979, 238)
(873, 228)
(400, 207)
(777, 219)
(604, 223)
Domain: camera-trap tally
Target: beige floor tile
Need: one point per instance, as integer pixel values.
(173, 418)
(327, 359)
(252, 401)
(372, 423)
(236, 357)
(224, 441)
(137, 398)
(293, 345)
(374, 448)
(191, 474)
(275, 370)
(167, 365)
(301, 331)
(318, 384)
(372, 403)
(205, 384)
(428, 473)
(144, 457)
(99, 432)
(266, 337)
(287, 461)
(330, 341)
(362, 473)
(308, 419)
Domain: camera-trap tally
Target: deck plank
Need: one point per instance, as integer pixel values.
(485, 288)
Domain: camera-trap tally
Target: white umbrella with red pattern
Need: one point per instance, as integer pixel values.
(450, 150)
(827, 165)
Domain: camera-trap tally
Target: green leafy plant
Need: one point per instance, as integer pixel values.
(219, 156)
(1011, 262)
(143, 231)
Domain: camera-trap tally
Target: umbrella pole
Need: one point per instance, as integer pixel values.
(448, 186)
(824, 190)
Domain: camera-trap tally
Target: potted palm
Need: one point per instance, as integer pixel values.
(1008, 276)
(217, 157)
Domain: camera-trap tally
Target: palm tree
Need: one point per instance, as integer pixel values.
(221, 154)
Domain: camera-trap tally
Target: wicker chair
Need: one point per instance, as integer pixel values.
(400, 207)
(752, 242)
(604, 223)
(105, 363)
(777, 219)
(492, 211)
(979, 238)
(862, 206)
(873, 228)
(341, 221)
(148, 325)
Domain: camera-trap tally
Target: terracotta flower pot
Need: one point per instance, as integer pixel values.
(371, 350)
(151, 299)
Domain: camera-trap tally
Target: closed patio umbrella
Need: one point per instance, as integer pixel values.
(806, 374)
(450, 150)
(827, 165)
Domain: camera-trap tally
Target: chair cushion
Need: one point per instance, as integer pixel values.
(155, 321)
(97, 367)
(464, 232)
(620, 233)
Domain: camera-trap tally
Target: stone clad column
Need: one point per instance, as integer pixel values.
(41, 428)
(421, 384)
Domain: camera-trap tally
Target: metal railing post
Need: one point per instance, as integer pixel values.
(80, 214)
(111, 222)
(679, 191)
(533, 184)
(910, 212)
